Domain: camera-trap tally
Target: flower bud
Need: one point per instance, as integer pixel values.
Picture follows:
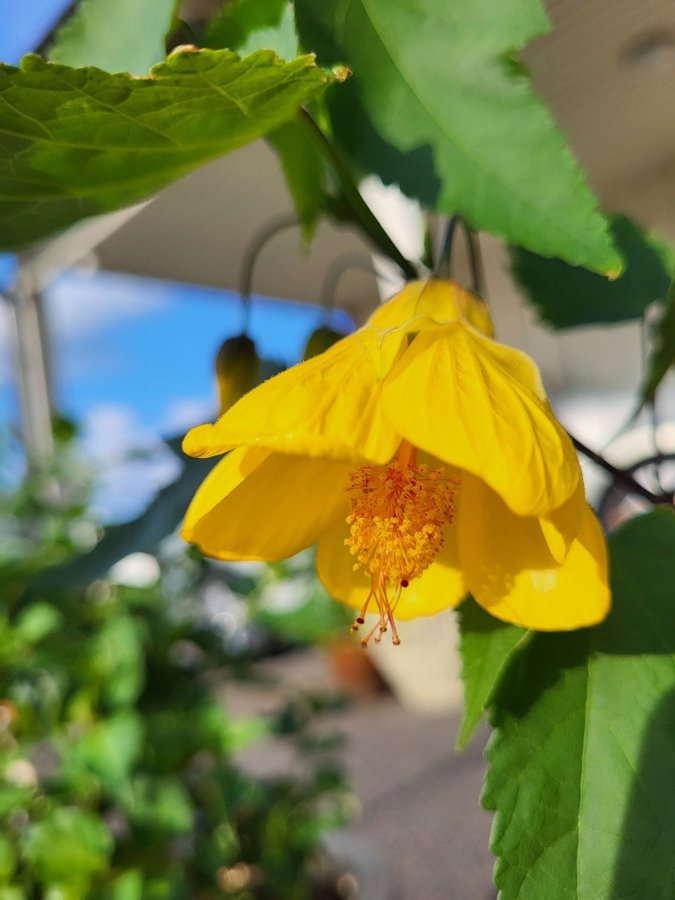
(320, 340)
(237, 369)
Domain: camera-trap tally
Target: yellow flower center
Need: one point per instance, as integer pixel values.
(398, 515)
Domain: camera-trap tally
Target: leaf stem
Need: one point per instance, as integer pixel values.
(368, 222)
(621, 476)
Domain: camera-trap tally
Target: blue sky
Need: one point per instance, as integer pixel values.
(25, 24)
(133, 362)
(150, 344)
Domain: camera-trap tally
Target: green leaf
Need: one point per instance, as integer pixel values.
(582, 763)
(128, 886)
(566, 296)
(69, 846)
(250, 25)
(77, 142)
(436, 106)
(130, 41)
(109, 750)
(662, 356)
(161, 805)
(486, 647)
(37, 621)
(304, 172)
(116, 659)
(142, 534)
(8, 859)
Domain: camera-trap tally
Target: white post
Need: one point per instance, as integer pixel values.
(31, 357)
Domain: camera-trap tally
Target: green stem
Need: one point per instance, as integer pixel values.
(363, 213)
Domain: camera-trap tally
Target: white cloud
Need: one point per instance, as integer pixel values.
(186, 412)
(82, 304)
(132, 463)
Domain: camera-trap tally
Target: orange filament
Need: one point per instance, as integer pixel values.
(398, 515)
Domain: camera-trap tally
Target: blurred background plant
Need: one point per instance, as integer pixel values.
(118, 768)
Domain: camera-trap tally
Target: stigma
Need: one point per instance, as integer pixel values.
(398, 516)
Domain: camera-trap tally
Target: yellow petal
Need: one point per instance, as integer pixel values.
(512, 574)
(423, 303)
(437, 588)
(326, 407)
(560, 527)
(260, 505)
(479, 405)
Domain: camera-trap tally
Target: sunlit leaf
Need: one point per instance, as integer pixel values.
(108, 749)
(128, 886)
(436, 106)
(131, 40)
(565, 295)
(76, 142)
(582, 764)
(68, 846)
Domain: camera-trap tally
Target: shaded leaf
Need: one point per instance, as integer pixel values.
(142, 534)
(131, 40)
(582, 763)
(566, 295)
(250, 25)
(436, 107)
(662, 356)
(76, 142)
(160, 804)
(304, 172)
(486, 647)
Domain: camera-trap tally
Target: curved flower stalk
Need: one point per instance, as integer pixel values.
(423, 458)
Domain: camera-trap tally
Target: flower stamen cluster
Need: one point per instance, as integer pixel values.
(397, 521)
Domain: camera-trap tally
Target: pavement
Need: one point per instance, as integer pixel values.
(420, 833)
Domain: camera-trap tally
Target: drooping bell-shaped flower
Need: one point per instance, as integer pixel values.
(424, 460)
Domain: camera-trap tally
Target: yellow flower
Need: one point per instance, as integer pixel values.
(423, 458)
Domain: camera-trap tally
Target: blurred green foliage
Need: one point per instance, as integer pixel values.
(118, 777)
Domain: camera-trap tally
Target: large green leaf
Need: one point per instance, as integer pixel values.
(486, 647)
(75, 142)
(131, 40)
(437, 105)
(566, 295)
(582, 764)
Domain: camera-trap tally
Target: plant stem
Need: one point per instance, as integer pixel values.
(444, 267)
(363, 213)
(621, 476)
